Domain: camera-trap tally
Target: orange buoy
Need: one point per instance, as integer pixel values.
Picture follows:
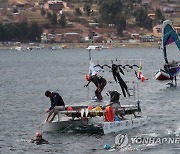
(69, 109)
(109, 114)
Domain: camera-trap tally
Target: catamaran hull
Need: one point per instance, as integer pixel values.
(60, 125)
(162, 75)
(116, 126)
(95, 123)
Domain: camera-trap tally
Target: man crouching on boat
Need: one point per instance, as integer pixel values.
(57, 104)
(115, 103)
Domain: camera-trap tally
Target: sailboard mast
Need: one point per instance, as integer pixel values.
(169, 36)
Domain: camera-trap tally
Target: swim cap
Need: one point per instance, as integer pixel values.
(87, 77)
(38, 134)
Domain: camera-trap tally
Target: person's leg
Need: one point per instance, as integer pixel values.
(54, 114)
(101, 89)
(56, 110)
(49, 115)
(97, 93)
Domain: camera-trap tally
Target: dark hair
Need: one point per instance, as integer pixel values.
(47, 93)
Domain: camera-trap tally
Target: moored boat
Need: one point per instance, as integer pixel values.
(94, 47)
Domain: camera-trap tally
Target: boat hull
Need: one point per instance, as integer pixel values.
(116, 126)
(95, 123)
(56, 126)
(162, 75)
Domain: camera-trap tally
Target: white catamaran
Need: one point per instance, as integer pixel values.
(97, 118)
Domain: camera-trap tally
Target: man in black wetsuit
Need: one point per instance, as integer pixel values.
(57, 104)
(99, 82)
(39, 139)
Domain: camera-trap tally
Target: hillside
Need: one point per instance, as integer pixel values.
(97, 26)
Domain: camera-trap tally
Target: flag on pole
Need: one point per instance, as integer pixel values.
(140, 75)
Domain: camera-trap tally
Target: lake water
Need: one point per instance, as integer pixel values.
(26, 75)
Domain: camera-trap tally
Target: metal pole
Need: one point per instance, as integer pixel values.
(89, 65)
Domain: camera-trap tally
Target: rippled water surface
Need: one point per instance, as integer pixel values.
(25, 76)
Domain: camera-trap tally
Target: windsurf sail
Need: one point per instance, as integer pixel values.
(169, 36)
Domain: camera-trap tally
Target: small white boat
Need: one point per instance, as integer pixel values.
(162, 75)
(94, 47)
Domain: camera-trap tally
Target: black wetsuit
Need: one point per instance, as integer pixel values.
(56, 100)
(42, 141)
(98, 80)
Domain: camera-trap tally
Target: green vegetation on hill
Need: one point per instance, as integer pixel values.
(122, 14)
(3, 1)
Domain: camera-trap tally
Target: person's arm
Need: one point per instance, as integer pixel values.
(87, 84)
(32, 140)
(52, 106)
(44, 141)
(53, 103)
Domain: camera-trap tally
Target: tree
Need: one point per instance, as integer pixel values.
(110, 9)
(43, 12)
(34, 32)
(142, 18)
(159, 16)
(22, 30)
(87, 9)
(62, 21)
(121, 24)
(54, 19)
(9, 32)
(49, 15)
(78, 11)
(1, 32)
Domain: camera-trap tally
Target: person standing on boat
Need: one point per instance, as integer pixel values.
(99, 82)
(39, 139)
(57, 104)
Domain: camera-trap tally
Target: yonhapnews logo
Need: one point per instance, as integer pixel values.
(122, 140)
(155, 140)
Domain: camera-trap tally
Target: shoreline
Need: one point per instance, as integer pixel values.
(82, 45)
